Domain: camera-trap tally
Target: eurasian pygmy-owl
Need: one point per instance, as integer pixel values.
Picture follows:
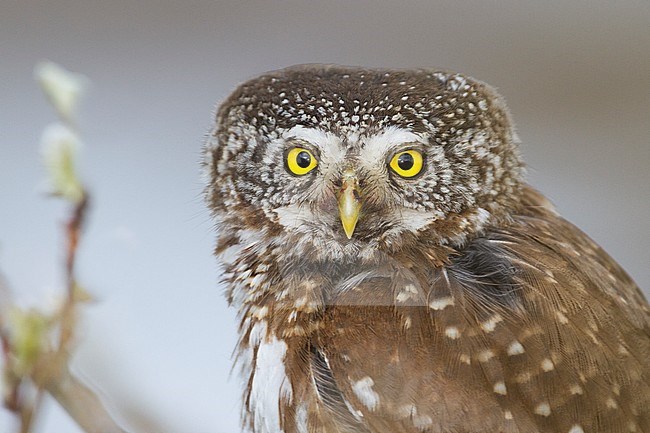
(393, 272)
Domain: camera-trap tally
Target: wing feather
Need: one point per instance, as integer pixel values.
(530, 328)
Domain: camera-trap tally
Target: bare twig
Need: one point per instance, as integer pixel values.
(73, 229)
(32, 361)
(29, 411)
(11, 393)
(82, 404)
(11, 397)
(73, 235)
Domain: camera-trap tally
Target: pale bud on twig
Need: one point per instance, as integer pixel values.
(62, 88)
(59, 147)
(29, 338)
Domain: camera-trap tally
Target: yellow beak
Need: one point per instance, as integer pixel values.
(349, 203)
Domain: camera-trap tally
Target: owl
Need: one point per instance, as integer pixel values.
(393, 272)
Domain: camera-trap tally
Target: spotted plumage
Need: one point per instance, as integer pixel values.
(393, 272)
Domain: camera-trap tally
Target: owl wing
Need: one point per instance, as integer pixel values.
(531, 328)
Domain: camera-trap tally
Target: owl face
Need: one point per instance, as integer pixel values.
(345, 161)
(355, 190)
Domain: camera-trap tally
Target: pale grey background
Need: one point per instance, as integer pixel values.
(576, 75)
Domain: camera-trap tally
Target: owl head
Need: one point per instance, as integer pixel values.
(339, 162)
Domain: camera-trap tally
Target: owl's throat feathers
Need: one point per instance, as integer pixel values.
(349, 202)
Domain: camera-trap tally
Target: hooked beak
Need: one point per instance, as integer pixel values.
(349, 203)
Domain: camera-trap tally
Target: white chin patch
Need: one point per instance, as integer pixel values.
(294, 216)
(412, 220)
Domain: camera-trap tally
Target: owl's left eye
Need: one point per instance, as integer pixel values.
(300, 161)
(408, 163)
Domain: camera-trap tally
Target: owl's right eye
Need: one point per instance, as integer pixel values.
(300, 161)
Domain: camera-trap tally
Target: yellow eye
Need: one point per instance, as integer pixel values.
(300, 161)
(407, 164)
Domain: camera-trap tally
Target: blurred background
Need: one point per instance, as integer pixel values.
(576, 75)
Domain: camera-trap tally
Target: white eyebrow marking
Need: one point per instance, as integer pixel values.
(330, 146)
(376, 147)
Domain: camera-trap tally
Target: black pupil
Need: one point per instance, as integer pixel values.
(303, 159)
(405, 161)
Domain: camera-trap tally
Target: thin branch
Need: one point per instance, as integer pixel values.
(82, 404)
(11, 394)
(29, 411)
(74, 227)
(73, 231)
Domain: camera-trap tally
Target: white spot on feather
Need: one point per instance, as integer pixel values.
(500, 388)
(407, 293)
(611, 403)
(364, 392)
(442, 303)
(490, 324)
(543, 409)
(547, 365)
(485, 356)
(515, 348)
(576, 428)
(452, 332)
